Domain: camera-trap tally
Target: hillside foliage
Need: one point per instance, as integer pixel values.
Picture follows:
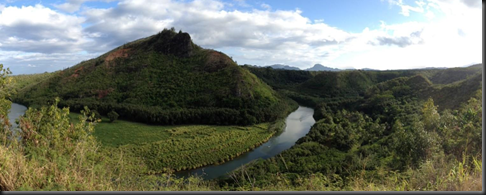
(392, 131)
(162, 79)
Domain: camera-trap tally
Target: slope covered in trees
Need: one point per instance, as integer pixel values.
(163, 79)
(393, 137)
(29, 80)
(446, 86)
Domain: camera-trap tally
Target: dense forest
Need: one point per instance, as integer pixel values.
(162, 79)
(448, 87)
(393, 129)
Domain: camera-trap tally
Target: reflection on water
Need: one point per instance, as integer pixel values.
(15, 112)
(298, 124)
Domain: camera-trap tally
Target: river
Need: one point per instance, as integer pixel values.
(15, 112)
(298, 124)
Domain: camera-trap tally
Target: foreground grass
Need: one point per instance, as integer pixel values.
(433, 175)
(439, 174)
(176, 148)
(19, 173)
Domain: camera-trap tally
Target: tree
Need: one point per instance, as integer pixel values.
(5, 104)
(430, 114)
(113, 116)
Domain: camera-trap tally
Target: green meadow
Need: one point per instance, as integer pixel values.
(179, 147)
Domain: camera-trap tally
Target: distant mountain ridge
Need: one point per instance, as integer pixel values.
(284, 67)
(320, 67)
(316, 67)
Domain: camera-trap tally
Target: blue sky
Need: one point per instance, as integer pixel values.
(39, 36)
(349, 15)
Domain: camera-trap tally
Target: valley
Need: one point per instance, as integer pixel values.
(196, 145)
(191, 118)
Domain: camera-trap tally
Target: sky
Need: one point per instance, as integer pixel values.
(44, 36)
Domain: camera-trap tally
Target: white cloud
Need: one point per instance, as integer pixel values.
(43, 37)
(242, 3)
(452, 39)
(40, 29)
(407, 8)
(211, 26)
(430, 15)
(43, 62)
(265, 6)
(70, 5)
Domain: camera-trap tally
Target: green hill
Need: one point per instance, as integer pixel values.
(451, 75)
(451, 96)
(25, 81)
(310, 88)
(399, 134)
(162, 79)
(280, 78)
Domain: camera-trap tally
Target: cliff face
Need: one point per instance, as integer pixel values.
(170, 43)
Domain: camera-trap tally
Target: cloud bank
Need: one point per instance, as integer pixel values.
(39, 37)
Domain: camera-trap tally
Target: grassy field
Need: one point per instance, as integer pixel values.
(178, 147)
(124, 132)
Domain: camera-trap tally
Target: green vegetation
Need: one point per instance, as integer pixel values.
(452, 75)
(112, 116)
(176, 148)
(393, 130)
(162, 79)
(6, 91)
(452, 95)
(348, 89)
(191, 147)
(311, 88)
(29, 80)
(391, 137)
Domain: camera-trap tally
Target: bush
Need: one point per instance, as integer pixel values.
(113, 116)
(93, 115)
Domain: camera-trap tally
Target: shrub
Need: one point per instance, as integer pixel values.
(95, 116)
(113, 116)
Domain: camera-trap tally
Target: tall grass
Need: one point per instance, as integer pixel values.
(438, 175)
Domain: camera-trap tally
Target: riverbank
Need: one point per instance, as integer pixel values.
(179, 147)
(297, 125)
(193, 149)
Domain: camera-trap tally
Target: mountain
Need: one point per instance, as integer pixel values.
(279, 79)
(319, 67)
(451, 75)
(452, 95)
(435, 68)
(284, 67)
(369, 69)
(162, 79)
(311, 87)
